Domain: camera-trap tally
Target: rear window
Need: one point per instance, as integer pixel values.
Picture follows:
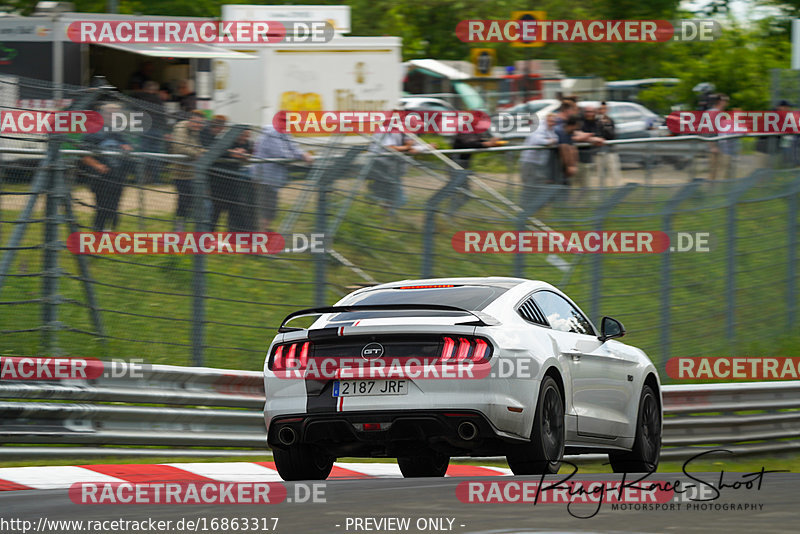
(473, 298)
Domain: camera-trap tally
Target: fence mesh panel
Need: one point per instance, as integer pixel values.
(385, 216)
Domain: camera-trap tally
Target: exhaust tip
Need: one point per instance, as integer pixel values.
(467, 431)
(287, 436)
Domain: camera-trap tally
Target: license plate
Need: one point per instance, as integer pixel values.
(363, 388)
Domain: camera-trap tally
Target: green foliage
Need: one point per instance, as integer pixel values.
(738, 63)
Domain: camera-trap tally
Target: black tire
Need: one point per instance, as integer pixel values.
(643, 458)
(434, 465)
(302, 462)
(546, 449)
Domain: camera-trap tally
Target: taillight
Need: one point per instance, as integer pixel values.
(291, 356)
(457, 350)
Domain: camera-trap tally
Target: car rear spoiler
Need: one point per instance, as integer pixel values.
(482, 319)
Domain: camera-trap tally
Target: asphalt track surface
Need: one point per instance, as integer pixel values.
(436, 498)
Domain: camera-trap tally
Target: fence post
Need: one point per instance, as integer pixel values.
(792, 229)
(597, 259)
(139, 166)
(730, 229)
(666, 266)
(457, 178)
(547, 193)
(53, 199)
(321, 227)
(201, 208)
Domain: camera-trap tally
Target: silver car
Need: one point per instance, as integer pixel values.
(424, 370)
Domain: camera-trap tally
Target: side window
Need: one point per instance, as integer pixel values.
(629, 113)
(531, 313)
(561, 314)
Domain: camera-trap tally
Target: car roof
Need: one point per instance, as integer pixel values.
(612, 103)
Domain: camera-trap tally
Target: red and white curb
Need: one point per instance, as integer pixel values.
(54, 477)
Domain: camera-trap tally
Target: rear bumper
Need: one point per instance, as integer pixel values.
(401, 433)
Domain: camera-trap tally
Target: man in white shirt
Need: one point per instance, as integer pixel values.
(535, 165)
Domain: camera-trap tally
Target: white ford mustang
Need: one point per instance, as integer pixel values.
(423, 370)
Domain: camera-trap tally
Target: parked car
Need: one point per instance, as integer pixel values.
(422, 103)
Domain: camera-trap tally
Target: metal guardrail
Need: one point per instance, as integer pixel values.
(164, 410)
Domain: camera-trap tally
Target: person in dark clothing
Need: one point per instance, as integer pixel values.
(215, 127)
(153, 139)
(470, 140)
(231, 189)
(186, 97)
(140, 77)
(608, 163)
(771, 145)
(107, 173)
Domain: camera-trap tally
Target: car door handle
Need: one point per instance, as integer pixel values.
(574, 354)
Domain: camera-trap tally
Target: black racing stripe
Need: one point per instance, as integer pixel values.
(319, 396)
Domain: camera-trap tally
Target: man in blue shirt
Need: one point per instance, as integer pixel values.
(270, 177)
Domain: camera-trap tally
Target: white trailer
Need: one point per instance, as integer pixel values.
(344, 74)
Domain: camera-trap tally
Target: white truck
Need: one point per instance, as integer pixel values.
(344, 74)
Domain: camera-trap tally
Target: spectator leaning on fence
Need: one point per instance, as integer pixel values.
(464, 140)
(567, 153)
(386, 173)
(723, 150)
(106, 172)
(536, 167)
(269, 177)
(593, 129)
(231, 190)
(186, 140)
(569, 107)
(608, 163)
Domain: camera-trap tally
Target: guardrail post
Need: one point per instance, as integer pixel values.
(457, 178)
(201, 207)
(547, 193)
(597, 259)
(683, 193)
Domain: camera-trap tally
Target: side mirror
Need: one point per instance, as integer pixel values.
(610, 328)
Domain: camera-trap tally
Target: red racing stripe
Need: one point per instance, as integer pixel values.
(341, 472)
(268, 465)
(7, 485)
(146, 472)
(457, 470)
